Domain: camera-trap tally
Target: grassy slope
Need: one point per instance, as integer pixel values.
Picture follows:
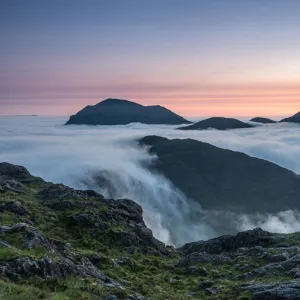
(148, 275)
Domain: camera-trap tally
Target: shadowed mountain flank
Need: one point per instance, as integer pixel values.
(223, 179)
(293, 119)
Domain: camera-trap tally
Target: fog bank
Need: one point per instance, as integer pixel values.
(109, 160)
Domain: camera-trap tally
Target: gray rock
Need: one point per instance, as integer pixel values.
(276, 257)
(211, 291)
(15, 207)
(26, 267)
(18, 173)
(204, 284)
(111, 297)
(198, 257)
(32, 237)
(288, 290)
(197, 271)
(229, 243)
(60, 191)
(136, 296)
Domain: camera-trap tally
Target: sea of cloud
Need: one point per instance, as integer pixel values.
(108, 159)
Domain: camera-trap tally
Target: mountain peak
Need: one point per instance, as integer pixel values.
(112, 111)
(293, 119)
(219, 123)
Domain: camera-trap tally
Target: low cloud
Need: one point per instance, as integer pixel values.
(109, 160)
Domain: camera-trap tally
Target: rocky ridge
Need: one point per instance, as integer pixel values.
(219, 123)
(61, 243)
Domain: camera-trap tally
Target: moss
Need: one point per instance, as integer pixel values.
(11, 291)
(148, 275)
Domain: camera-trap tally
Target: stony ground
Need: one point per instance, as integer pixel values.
(59, 243)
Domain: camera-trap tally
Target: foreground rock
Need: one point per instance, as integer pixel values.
(263, 120)
(51, 232)
(122, 112)
(289, 290)
(220, 179)
(57, 242)
(294, 119)
(217, 123)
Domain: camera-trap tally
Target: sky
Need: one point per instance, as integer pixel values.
(195, 57)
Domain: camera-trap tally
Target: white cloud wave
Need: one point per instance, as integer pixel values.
(70, 154)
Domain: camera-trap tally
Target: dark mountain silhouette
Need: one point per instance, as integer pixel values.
(121, 112)
(225, 179)
(294, 119)
(263, 120)
(217, 123)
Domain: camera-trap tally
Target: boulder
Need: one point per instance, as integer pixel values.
(230, 243)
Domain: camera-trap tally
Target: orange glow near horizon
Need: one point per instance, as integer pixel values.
(186, 100)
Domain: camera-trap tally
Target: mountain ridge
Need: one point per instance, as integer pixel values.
(293, 119)
(59, 243)
(113, 111)
(223, 179)
(220, 123)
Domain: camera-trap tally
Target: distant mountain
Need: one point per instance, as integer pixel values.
(122, 112)
(263, 120)
(294, 119)
(217, 123)
(224, 179)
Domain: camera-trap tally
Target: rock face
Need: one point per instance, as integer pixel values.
(122, 112)
(294, 119)
(263, 120)
(224, 179)
(217, 123)
(84, 217)
(249, 263)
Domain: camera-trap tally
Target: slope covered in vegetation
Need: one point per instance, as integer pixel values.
(59, 243)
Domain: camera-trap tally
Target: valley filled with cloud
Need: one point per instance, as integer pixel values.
(110, 160)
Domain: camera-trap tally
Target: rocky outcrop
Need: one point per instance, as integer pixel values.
(10, 185)
(221, 179)
(122, 112)
(46, 268)
(201, 257)
(53, 236)
(60, 191)
(14, 207)
(217, 123)
(230, 243)
(31, 237)
(288, 290)
(10, 171)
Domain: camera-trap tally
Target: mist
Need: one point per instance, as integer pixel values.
(109, 160)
